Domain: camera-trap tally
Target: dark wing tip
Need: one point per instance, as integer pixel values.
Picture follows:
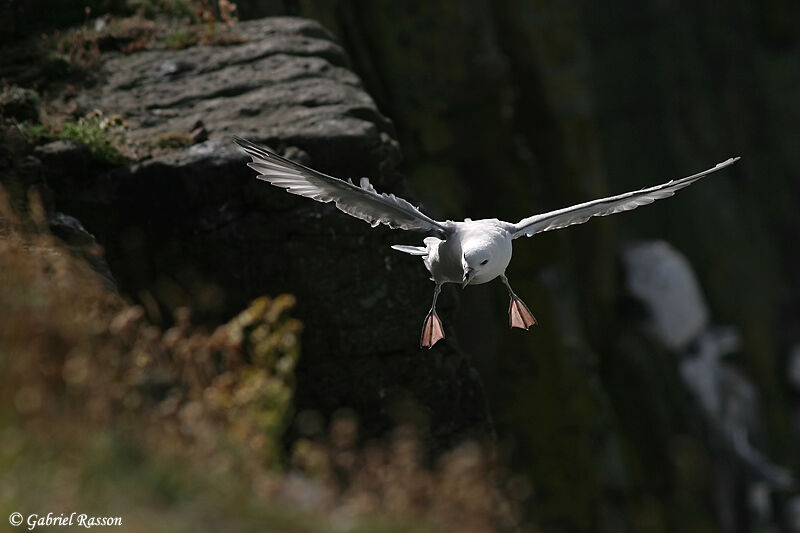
(259, 151)
(250, 145)
(246, 144)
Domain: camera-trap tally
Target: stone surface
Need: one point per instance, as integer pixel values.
(70, 159)
(289, 82)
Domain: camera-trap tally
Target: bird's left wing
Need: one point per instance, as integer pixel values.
(361, 201)
(578, 214)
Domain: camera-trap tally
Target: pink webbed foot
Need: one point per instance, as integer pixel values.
(432, 330)
(519, 316)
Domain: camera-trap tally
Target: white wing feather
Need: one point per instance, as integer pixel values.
(361, 201)
(578, 214)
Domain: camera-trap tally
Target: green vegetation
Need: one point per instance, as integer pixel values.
(35, 133)
(97, 134)
(102, 136)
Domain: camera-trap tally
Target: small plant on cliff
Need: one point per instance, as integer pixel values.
(209, 13)
(82, 47)
(35, 133)
(181, 38)
(101, 135)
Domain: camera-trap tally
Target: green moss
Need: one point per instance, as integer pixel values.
(35, 133)
(95, 135)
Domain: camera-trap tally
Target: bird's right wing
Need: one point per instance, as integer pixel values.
(578, 214)
(361, 201)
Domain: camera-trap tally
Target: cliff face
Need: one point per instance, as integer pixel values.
(193, 227)
(506, 108)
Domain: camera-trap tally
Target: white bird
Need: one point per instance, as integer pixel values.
(469, 252)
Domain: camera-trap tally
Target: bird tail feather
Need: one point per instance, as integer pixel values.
(413, 250)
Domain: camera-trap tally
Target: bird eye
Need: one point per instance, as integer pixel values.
(484, 261)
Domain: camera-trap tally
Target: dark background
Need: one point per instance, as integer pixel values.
(507, 108)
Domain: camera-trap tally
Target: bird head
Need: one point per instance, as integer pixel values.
(472, 263)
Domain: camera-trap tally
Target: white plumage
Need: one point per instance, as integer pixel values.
(469, 252)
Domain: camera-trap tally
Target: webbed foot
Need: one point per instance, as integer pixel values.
(432, 330)
(519, 316)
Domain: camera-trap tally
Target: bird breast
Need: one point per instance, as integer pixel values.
(444, 262)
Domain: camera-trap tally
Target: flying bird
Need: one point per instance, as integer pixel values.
(469, 252)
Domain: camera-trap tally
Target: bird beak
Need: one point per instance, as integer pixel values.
(468, 274)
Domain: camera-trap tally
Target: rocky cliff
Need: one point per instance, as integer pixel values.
(191, 226)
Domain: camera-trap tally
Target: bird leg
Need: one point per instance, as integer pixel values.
(519, 316)
(432, 330)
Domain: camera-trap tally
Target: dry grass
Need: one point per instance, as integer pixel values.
(208, 16)
(74, 349)
(83, 46)
(181, 430)
(460, 494)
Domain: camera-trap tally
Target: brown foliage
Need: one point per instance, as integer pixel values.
(80, 362)
(72, 348)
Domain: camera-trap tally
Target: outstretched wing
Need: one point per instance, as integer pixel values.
(578, 214)
(362, 201)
